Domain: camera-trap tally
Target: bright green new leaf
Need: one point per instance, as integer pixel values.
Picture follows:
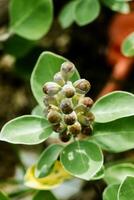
(111, 192)
(126, 190)
(113, 106)
(47, 159)
(66, 16)
(82, 159)
(86, 11)
(44, 195)
(26, 130)
(37, 110)
(115, 174)
(47, 65)
(31, 19)
(128, 46)
(3, 196)
(122, 7)
(115, 136)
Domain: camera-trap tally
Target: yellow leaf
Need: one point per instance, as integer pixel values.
(57, 176)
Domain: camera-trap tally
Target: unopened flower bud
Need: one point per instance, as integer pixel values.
(85, 120)
(87, 101)
(49, 100)
(67, 70)
(82, 86)
(68, 90)
(65, 136)
(51, 88)
(66, 106)
(70, 118)
(59, 128)
(54, 116)
(87, 130)
(75, 129)
(59, 79)
(80, 108)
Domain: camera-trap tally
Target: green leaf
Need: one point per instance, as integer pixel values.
(47, 159)
(115, 136)
(99, 174)
(44, 195)
(113, 106)
(47, 65)
(26, 130)
(31, 19)
(110, 193)
(66, 16)
(3, 196)
(18, 46)
(86, 11)
(37, 110)
(126, 190)
(117, 173)
(82, 159)
(128, 45)
(122, 7)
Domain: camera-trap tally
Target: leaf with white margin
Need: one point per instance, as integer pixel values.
(26, 129)
(82, 159)
(113, 106)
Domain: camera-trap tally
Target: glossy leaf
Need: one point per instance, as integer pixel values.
(115, 136)
(99, 174)
(82, 159)
(111, 192)
(86, 11)
(122, 7)
(47, 65)
(113, 106)
(31, 19)
(55, 178)
(3, 196)
(47, 159)
(26, 130)
(47, 195)
(66, 17)
(126, 190)
(128, 45)
(117, 173)
(37, 110)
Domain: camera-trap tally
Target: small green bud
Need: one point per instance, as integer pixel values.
(87, 130)
(54, 116)
(87, 101)
(66, 106)
(51, 88)
(65, 136)
(80, 108)
(67, 70)
(82, 86)
(83, 119)
(68, 90)
(70, 118)
(59, 79)
(50, 100)
(75, 129)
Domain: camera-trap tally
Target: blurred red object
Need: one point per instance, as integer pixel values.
(121, 26)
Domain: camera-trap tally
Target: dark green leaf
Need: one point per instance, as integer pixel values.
(26, 130)
(44, 195)
(47, 159)
(113, 106)
(3, 196)
(82, 159)
(115, 136)
(31, 19)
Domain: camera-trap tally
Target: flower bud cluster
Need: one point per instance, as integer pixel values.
(66, 107)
